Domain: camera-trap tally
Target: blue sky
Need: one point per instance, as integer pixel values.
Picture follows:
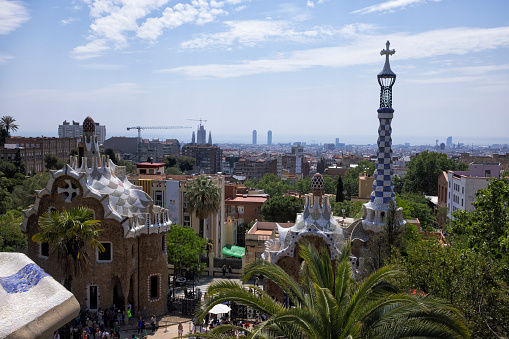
(305, 69)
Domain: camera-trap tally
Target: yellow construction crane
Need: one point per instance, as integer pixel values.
(139, 128)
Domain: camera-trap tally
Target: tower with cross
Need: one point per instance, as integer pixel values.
(375, 211)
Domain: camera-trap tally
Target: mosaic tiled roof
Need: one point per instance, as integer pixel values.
(89, 125)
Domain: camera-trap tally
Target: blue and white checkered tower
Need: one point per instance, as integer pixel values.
(374, 212)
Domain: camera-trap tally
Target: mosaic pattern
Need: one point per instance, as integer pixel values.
(23, 280)
(317, 182)
(123, 198)
(383, 186)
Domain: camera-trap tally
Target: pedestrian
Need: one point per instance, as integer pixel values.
(180, 329)
(153, 323)
(229, 271)
(224, 270)
(257, 280)
(140, 324)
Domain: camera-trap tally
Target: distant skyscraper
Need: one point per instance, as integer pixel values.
(75, 130)
(254, 137)
(448, 142)
(269, 138)
(193, 138)
(210, 138)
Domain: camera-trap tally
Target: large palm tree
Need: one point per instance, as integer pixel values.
(67, 232)
(328, 303)
(7, 124)
(203, 198)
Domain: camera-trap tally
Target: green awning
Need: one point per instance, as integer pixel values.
(234, 251)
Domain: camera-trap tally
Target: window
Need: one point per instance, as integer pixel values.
(461, 202)
(163, 243)
(187, 220)
(154, 283)
(107, 255)
(154, 287)
(158, 198)
(44, 250)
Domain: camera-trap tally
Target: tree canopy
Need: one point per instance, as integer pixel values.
(465, 279)
(203, 198)
(67, 232)
(184, 247)
(282, 208)
(12, 238)
(424, 169)
(328, 303)
(486, 229)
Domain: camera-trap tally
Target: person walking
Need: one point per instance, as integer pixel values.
(229, 271)
(180, 330)
(224, 270)
(153, 323)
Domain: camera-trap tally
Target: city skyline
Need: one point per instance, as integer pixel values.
(245, 65)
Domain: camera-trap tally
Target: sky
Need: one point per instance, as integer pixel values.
(305, 69)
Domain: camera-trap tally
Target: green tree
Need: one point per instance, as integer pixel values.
(203, 198)
(67, 232)
(111, 154)
(23, 195)
(186, 163)
(417, 206)
(7, 125)
(172, 171)
(465, 279)
(328, 303)
(12, 238)
(329, 184)
(423, 172)
(282, 208)
(18, 162)
(351, 179)
(52, 162)
(352, 208)
(303, 186)
(184, 247)
(170, 161)
(129, 167)
(340, 197)
(486, 229)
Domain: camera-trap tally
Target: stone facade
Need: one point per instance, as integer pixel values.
(133, 270)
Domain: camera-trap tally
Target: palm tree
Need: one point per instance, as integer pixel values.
(7, 124)
(203, 198)
(328, 303)
(67, 232)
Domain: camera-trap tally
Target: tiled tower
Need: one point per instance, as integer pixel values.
(375, 211)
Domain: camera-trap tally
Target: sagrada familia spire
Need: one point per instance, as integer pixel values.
(375, 211)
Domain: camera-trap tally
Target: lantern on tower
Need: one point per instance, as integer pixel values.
(386, 79)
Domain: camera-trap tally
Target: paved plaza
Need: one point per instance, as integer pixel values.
(168, 324)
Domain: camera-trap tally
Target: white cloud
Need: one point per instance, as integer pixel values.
(4, 58)
(363, 50)
(12, 15)
(116, 22)
(199, 12)
(93, 49)
(66, 22)
(445, 80)
(310, 4)
(470, 70)
(251, 32)
(390, 6)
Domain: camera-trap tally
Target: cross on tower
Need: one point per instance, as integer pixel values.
(388, 52)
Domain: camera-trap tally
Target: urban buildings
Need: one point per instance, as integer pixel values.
(33, 150)
(208, 157)
(269, 138)
(75, 130)
(462, 185)
(254, 137)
